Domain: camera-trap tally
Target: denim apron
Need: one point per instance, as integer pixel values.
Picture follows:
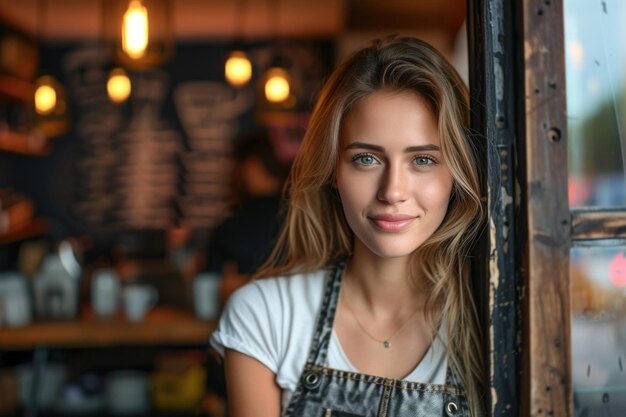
(326, 392)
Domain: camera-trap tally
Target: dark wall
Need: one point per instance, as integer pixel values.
(162, 157)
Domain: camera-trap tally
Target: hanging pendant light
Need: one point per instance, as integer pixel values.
(277, 87)
(135, 30)
(50, 106)
(140, 32)
(45, 95)
(238, 68)
(49, 101)
(277, 82)
(46, 87)
(118, 86)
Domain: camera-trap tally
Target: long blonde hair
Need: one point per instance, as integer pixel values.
(316, 234)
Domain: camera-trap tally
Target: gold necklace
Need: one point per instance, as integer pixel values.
(385, 342)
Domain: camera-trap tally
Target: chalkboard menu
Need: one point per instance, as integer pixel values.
(163, 157)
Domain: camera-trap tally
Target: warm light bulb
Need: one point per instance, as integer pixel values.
(238, 69)
(45, 97)
(118, 86)
(277, 85)
(135, 30)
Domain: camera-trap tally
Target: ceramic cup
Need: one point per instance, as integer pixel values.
(15, 304)
(105, 289)
(138, 300)
(206, 295)
(49, 384)
(127, 392)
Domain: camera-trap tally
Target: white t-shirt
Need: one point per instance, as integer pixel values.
(273, 321)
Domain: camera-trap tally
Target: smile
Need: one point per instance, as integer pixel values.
(392, 223)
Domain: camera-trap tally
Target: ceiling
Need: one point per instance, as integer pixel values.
(213, 19)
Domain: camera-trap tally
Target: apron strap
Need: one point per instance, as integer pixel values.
(326, 317)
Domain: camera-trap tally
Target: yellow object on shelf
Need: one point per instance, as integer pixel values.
(179, 390)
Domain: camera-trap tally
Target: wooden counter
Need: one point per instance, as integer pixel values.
(162, 327)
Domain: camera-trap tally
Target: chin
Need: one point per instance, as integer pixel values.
(392, 250)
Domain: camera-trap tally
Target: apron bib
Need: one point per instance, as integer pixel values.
(326, 392)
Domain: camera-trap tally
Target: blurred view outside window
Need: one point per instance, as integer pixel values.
(598, 276)
(595, 36)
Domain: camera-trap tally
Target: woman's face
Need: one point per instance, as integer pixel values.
(391, 176)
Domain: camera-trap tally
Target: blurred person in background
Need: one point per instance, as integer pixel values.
(243, 241)
(182, 250)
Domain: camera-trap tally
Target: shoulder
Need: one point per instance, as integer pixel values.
(272, 320)
(272, 306)
(276, 297)
(275, 288)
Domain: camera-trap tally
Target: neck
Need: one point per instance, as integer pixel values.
(381, 285)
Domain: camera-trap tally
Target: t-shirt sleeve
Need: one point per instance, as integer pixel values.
(249, 324)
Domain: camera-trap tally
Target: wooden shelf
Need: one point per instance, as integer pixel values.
(35, 227)
(15, 88)
(21, 143)
(162, 326)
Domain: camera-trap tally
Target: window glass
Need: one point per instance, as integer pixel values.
(595, 58)
(598, 279)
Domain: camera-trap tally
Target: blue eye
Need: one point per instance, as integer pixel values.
(364, 159)
(424, 161)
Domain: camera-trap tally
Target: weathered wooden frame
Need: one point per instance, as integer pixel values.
(547, 379)
(595, 224)
(518, 104)
(493, 87)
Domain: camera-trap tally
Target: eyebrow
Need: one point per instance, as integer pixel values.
(420, 148)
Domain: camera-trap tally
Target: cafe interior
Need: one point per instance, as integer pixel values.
(127, 128)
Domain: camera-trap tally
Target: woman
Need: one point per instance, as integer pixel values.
(369, 311)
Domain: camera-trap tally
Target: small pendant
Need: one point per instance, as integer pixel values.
(387, 344)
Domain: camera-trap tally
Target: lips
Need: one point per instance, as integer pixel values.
(392, 222)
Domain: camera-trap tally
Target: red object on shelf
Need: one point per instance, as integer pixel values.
(17, 217)
(35, 227)
(23, 143)
(15, 88)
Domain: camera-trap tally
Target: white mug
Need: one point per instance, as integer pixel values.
(15, 304)
(138, 300)
(105, 288)
(206, 295)
(16, 310)
(126, 392)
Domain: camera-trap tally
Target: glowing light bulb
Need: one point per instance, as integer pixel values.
(118, 86)
(45, 96)
(277, 85)
(135, 30)
(238, 69)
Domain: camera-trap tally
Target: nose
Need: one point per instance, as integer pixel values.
(394, 186)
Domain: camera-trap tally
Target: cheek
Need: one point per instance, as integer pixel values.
(350, 197)
(354, 196)
(436, 191)
(347, 183)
